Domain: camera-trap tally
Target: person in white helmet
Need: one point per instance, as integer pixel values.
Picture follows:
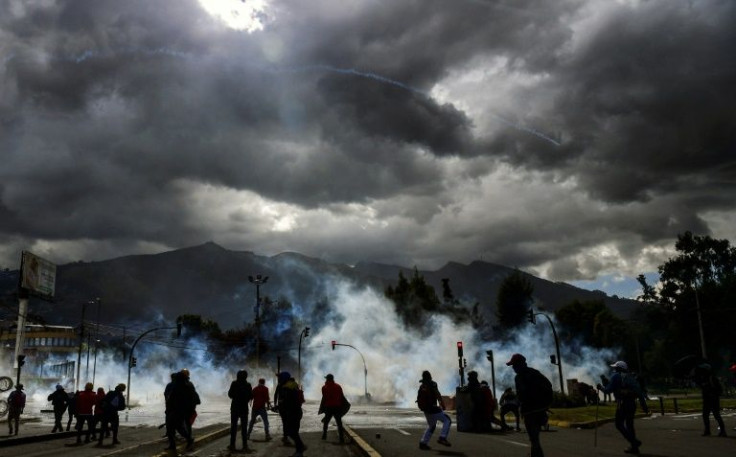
(626, 391)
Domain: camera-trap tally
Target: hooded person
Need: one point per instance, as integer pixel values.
(240, 393)
(112, 403)
(626, 391)
(291, 399)
(429, 401)
(59, 401)
(534, 392)
(181, 400)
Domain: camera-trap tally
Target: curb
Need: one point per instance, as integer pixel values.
(212, 436)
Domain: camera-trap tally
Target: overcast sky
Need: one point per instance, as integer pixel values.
(573, 139)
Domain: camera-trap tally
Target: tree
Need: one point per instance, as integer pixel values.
(514, 300)
(577, 319)
(697, 285)
(414, 299)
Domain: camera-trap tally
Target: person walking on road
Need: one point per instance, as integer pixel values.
(181, 401)
(59, 400)
(113, 402)
(241, 394)
(509, 404)
(261, 404)
(192, 415)
(16, 405)
(72, 409)
(332, 405)
(535, 396)
(98, 413)
(626, 391)
(291, 399)
(84, 405)
(276, 401)
(428, 399)
(711, 390)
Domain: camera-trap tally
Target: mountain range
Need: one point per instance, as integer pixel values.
(212, 281)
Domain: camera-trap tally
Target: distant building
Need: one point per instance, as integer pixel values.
(48, 349)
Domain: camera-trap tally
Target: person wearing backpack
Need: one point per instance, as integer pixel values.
(113, 402)
(626, 391)
(534, 392)
(331, 405)
(428, 398)
(291, 399)
(16, 405)
(711, 389)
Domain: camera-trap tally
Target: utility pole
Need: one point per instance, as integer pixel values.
(79, 353)
(258, 280)
(531, 314)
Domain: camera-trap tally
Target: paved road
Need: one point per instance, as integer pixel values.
(389, 432)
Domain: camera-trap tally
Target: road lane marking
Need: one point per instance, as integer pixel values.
(403, 432)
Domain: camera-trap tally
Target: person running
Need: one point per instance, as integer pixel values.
(509, 404)
(291, 399)
(113, 402)
(16, 405)
(261, 404)
(428, 398)
(59, 400)
(535, 395)
(332, 406)
(626, 392)
(241, 394)
(711, 389)
(84, 405)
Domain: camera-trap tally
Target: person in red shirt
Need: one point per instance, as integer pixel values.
(86, 400)
(261, 401)
(332, 404)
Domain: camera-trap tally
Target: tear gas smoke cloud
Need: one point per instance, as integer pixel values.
(395, 357)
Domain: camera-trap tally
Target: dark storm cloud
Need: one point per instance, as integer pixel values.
(112, 112)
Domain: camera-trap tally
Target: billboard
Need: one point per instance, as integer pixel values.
(38, 276)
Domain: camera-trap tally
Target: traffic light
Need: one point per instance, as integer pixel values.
(334, 343)
(133, 361)
(489, 355)
(465, 363)
(530, 316)
(21, 360)
(306, 332)
(553, 360)
(459, 348)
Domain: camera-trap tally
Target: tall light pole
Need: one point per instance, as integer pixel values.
(365, 368)
(79, 353)
(304, 333)
(530, 315)
(131, 359)
(258, 280)
(97, 338)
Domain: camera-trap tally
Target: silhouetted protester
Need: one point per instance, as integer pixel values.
(626, 391)
(428, 399)
(534, 392)
(98, 413)
(711, 390)
(193, 413)
(113, 402)
(332, 405)
(261, 401)
(291, 399)
(72, 409)
(16, 405)
(605, 381)
(490, 407)
(509, 404)
(276, 399)
(85, 404)
(181, 400)
(59, 400)
(478, 412)
(241, 394)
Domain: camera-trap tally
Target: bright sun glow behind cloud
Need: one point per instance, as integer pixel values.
(244, 15)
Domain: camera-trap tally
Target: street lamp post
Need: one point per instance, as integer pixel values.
(258, 280)
(132, 348)
(97, 338)
(79, 352)
(531, 314)
(304, 333)
(365, 368)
